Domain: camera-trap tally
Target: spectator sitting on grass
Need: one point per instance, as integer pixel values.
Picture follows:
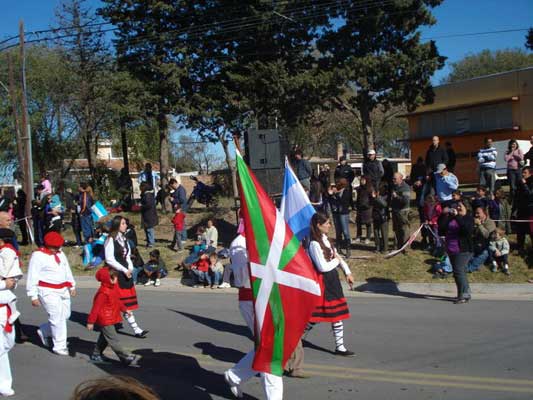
(483, 227)
(216, 269)
(499, 250)
(155, 268)
(198, 247)
(200, 270)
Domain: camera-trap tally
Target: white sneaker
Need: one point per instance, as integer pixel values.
(224, 285)
(61, 352)
(13, 317)
(7, 393)
(44, 339)
(235, 389)
(148, 282)
(157, 282)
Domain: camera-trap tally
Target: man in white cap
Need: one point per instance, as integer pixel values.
(373, 169)
(445, 184)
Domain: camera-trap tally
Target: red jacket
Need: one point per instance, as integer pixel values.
(178, 220)
(107, 306)
(432, 213)
(202, 264)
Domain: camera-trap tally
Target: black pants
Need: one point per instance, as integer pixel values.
(23, 231)
(381, 236)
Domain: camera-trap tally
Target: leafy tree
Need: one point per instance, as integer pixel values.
(488, 62)
(378, 52)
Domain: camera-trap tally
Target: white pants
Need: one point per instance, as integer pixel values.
(56, 302)
(6, 380)
(243, 371)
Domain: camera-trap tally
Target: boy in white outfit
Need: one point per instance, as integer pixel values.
(9, 268)
(243, 371)
(7, 340)
(50, 284)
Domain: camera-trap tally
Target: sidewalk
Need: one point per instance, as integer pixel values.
(485, 291)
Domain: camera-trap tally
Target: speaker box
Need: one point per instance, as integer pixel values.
(271, 180)
(263, 149)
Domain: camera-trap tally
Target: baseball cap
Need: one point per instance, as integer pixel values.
(440, 168)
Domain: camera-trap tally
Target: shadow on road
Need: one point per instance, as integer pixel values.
(220, 353)
(390, 287)
(313, 346)
(221, 326)
(171, 375)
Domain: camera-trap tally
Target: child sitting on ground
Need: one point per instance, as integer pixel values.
(107, 311)
(499, 250)
(216, 269)
(155, 268)
(200, 270)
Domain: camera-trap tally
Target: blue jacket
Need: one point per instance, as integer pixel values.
(445, 185)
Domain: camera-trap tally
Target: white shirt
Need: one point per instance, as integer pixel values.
(239, 262)
(317, 255)
(109, 248)
(44, 267)
(211, 236)
(9, 264)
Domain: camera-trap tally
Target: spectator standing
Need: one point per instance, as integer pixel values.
(211, 236)
(147, 176)
(435, 155)
(125, 188)
(373, 169)
(324, 176)
(302, 169)
(452, 158)
(523, 208)
(515, 160)
(432, 212)
(20, 214)
(45, 181)
(345, 171)
(528, 157)
(456, 225)
(380, 218)
(316, 195)
(364, 209)
(388, 172)
(85, 202)
(179, 224)
(148, 213)
(178, 194)
(445, 184)
(483, 227)
(400, 199)
(340, 202)
(486, 158)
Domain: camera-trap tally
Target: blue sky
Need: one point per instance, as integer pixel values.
(453, 17)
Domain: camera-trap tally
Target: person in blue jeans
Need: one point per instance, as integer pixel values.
(340, 202)
(483, 227)
(216, 269)
(85, 202)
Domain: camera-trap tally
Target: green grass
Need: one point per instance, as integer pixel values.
(412, 267)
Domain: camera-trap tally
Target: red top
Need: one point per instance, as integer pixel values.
(178, 221)
(107, 306)
(202, 264)
(432, 213)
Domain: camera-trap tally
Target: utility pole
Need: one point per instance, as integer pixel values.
(26, 129)
(13, 99)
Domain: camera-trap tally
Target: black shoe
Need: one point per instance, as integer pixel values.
(345, 353)
(142, 335)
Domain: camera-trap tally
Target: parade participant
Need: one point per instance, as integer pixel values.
(242, 371)
(105, 313)
(334, 307)
(118, 256)
(9, 268)
(50, 283)
(7, 340)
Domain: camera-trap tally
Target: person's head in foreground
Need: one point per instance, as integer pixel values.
(113, 388)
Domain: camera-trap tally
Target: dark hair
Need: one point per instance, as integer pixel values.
(511, 142)
(155, 254)
(172, 181)
(144, 186)
(298, 152)
(40, 187)
(84, 185)
(319, 219)
(115, 225)
(113, 388)
(368, 183)
(148, 166)
(482, 187)
(448, 144)
(113, 273)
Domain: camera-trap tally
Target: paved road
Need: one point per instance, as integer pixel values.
(407, 348)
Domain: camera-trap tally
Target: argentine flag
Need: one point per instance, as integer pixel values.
(295, 205)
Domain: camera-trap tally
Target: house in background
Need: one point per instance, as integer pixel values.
(498, 106)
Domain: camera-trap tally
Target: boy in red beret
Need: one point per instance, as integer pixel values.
(106, 313)
(50, 284)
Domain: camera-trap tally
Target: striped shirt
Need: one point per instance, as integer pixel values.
(487, 158)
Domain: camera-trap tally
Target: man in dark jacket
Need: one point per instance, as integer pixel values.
(302, 169)
(344, 170)
(523, 207)
(452, 159)
(148, 213)
(400, 199)
(436, 155)
(373, 169)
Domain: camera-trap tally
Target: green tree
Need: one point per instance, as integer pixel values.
(377, 50)
(488, 62)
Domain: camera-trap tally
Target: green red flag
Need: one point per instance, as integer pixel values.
(284, 282)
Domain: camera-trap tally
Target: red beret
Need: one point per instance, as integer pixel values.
(53, 239)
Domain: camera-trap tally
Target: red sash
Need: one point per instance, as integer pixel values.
(55, 285)
(8, 328)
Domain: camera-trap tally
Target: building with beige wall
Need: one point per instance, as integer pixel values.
(498, 106)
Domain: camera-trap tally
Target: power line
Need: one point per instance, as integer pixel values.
(454, 35)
